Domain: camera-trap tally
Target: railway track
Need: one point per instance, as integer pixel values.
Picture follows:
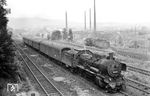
(49, 89)
(145, 72)
(136, 85)
(139, 86)
(135, 69)
(125, 93)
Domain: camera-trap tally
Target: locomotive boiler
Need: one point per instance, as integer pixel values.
(104, 69)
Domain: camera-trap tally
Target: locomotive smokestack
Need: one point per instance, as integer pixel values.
(111, 55)
(94, 17)
(66, 18)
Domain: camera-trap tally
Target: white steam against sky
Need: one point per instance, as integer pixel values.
(123, 11)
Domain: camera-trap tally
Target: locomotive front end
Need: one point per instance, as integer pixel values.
(114, 84)
(105, 70)
(111, 71)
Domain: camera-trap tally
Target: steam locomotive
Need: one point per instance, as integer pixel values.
(104, 69)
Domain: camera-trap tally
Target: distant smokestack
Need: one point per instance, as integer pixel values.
(85, 20)
(90, 18)
(66, 18)
(94, 17)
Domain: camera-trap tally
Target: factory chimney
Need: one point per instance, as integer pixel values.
(94, 17)
(85, 20)
(90, 18)
(66, 18)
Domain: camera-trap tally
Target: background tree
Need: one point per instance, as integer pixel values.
(8, 69)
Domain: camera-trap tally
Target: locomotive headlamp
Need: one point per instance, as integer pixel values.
(106, 80)
(110, 79)
(112, 85)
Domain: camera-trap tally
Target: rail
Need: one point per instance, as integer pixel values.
(130, 83)
(125, 93)
(145, 72)
(47, 86)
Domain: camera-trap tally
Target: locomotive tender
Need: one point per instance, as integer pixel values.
(105, 70)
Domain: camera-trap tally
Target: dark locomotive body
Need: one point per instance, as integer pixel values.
(105, 70)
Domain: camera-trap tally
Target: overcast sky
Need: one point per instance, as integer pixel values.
(123, 11)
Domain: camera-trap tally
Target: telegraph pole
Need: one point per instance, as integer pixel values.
(85, 20)
(90, 18)
(94, 17)
(66, 18)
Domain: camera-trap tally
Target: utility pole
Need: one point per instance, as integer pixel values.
(85, 20)
(94, 17)
(66, 18)
(90, 18)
